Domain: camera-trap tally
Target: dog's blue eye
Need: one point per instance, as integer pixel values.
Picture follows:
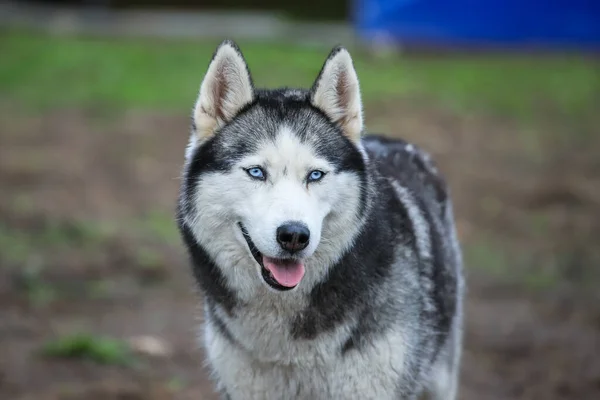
(315, 176)
(256, 173)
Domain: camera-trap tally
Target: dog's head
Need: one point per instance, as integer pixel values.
(275, 183)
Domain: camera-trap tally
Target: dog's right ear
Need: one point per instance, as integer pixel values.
(226, 88)
(336, 92)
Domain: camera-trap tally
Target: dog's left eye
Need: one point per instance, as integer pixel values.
(315, 175)
(256, 173)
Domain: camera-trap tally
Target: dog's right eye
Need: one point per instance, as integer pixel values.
(256, 173)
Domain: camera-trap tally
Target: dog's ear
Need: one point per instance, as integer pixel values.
(226, 88)
(337, 93)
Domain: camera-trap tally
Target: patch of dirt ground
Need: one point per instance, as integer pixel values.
(88, 244)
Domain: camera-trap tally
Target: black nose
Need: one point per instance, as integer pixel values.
(293, 236)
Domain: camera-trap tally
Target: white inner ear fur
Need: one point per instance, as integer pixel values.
(226, 88)
(337, 93)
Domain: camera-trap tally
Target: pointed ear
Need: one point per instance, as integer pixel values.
(336, 92)
(226, 88)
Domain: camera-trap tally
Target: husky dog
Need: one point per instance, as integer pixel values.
(328, 261)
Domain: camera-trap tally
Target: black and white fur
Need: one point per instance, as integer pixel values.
(378, 314)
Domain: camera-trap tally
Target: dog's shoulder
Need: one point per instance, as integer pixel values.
(425, 198)
(408, 165)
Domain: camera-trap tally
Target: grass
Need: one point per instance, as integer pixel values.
(28, 252)
(31, 282)
(160, 226)
(176, 384)
(47, 72)
(534, 267)
(87, 347)
(494, 258)
(17, 246)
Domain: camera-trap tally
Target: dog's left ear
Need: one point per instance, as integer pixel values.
(226, 88)
(337, 93)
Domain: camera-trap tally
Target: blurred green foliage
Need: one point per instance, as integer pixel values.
(100, 350)
(49, 72)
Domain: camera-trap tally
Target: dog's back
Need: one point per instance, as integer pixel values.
(424, 195)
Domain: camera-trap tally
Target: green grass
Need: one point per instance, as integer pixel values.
(17, 246)
(29, 280)
(533, 268)
(491, 257)
(160, 226)
(81, 346)
(47, 72)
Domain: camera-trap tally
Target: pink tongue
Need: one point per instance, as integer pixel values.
(287, 273)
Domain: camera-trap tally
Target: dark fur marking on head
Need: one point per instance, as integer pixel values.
(204, 159)
(292, 108)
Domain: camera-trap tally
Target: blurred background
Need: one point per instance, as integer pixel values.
(96, 299)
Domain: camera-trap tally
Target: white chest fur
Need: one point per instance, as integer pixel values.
(267, 363)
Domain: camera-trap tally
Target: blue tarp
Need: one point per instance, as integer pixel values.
(551, 23)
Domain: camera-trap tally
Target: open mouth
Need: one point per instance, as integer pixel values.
(280, 274)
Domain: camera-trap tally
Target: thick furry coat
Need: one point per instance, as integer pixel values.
(372, 307)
